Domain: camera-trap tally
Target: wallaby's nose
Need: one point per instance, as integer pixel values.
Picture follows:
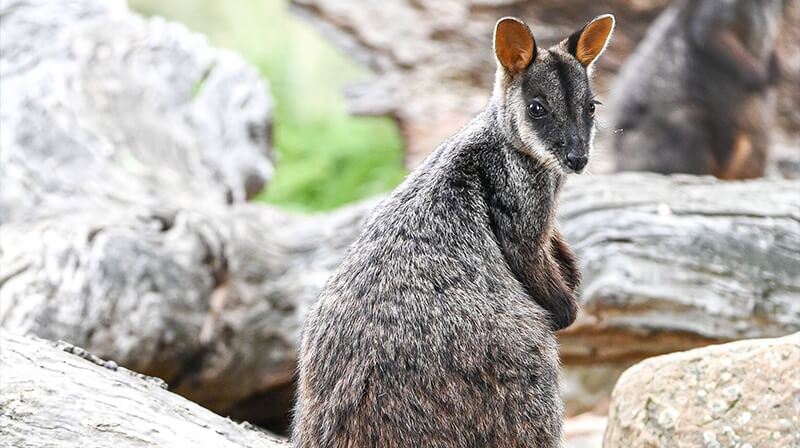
(576, 161)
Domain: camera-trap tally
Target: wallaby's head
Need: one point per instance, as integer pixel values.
(546, 105)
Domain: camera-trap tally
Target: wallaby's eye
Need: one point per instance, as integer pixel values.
(592, 107)
(536, 109)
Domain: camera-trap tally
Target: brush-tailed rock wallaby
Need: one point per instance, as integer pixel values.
(437, 329)
(695, 95)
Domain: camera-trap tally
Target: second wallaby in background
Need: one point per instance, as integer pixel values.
(437, 330)
(695, 95)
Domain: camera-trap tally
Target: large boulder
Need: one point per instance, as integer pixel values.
(743, 394)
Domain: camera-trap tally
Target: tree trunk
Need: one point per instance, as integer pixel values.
(671, 262)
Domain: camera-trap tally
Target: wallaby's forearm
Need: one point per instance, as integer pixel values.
(566, 260)
(545, 268)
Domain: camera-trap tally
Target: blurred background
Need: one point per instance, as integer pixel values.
(327, 158)
(179, 178)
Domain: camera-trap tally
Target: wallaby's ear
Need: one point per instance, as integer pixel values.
(513, 44)
(590, 41)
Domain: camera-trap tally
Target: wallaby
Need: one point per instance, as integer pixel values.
(437, 329)
(695, 95)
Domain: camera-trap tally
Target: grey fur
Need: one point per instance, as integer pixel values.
(690, 101)
(437, 328)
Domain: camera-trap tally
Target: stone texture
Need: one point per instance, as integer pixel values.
(743, 394)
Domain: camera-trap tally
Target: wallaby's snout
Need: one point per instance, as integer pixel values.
(577, 161)
(575, 150)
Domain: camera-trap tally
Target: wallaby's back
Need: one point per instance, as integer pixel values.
(424, 337)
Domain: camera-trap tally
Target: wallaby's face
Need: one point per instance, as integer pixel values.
(544, 95)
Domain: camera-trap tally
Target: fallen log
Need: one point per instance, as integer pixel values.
(61, 396)
(103, 108)
(58, 395)
(214, 302)
(672, 261)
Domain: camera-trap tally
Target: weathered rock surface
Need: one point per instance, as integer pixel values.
(741, 394)
(434, 65)
(52, 398)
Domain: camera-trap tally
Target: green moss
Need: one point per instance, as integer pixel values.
(326, 158)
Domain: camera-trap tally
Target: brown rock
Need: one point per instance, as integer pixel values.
(742, 394)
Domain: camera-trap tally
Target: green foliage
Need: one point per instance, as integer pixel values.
(326, 158)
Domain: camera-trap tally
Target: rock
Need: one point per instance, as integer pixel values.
(741, 394)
